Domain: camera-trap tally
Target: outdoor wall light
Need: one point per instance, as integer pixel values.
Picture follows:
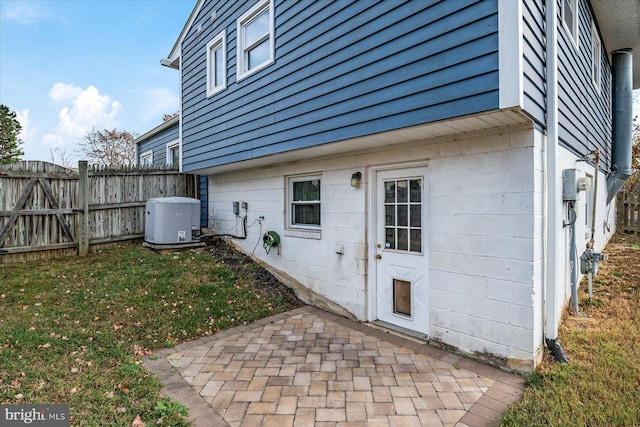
(355, 179)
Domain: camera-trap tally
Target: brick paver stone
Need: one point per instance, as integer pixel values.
(310, 367)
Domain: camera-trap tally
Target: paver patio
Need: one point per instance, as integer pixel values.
(309, 367)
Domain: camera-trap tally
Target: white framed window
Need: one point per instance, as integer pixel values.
(569, 14)
(305, 202)
(596, 56)
(173, 153)
(217, 64)
(255, 39)
(146, 158)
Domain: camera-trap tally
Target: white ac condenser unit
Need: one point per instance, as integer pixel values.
(172, 220)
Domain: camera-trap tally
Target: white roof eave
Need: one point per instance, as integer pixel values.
(619, 24)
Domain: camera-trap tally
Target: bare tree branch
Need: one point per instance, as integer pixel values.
(108, 147)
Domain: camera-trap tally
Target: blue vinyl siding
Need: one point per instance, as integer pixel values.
(158, 143)
(534, 45)
(584, 113)
(204, 200)
(343, 69)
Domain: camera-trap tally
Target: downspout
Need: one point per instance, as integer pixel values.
(552, 187)
(622, 100)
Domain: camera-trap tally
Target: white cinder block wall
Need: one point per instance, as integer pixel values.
(485, 247)
(309, 257)
(486, 229)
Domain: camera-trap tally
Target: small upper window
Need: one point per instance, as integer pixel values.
(255, 39)
(173, 153)
(570, 18)
(146, 158)
(216, 64)
(596, 57)
(304, 197)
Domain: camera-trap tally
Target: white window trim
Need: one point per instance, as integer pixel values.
(289, 210)
(596, 57)
(146, 155)
(575, 24)
(219, 41)
(246, 18)
(170, 145)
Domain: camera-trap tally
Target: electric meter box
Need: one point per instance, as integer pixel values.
(172, 220)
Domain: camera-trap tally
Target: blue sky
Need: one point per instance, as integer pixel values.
(68, 66)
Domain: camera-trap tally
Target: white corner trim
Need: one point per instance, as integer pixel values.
(180, 88)
(510, 54)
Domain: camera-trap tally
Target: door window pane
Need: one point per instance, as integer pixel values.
(415, 237)
(390, 215)
(403, 239)
(415, 186)
(389, 192)
(402, 191)
(403, 215)
(390, 238)
(416, 216)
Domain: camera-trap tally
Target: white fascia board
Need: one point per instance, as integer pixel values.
(510, 54)
(156, 130)
(173, 56)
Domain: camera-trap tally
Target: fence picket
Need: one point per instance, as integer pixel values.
(47, 210)
(629, 213)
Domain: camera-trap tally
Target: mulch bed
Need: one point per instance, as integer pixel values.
(260, 279)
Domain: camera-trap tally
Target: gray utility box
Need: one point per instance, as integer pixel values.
(172, 220)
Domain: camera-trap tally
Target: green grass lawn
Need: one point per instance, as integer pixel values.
(73, 330)
(601, 384)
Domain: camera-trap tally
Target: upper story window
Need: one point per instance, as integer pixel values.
(217, 64)
(255, 39)
(596, 56)
(570, 18)
(304, 202)
(173, 153)
(146, 158)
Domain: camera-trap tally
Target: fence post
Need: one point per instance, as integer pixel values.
(83, 197)
(620, 212)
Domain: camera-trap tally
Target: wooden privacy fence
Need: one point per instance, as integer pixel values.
(628, 213)
(47, 210)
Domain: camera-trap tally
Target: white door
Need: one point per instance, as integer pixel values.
(402, 267)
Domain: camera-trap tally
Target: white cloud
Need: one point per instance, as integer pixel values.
(85, 109)
(61, 92)
(28, 131)
(53, 140)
